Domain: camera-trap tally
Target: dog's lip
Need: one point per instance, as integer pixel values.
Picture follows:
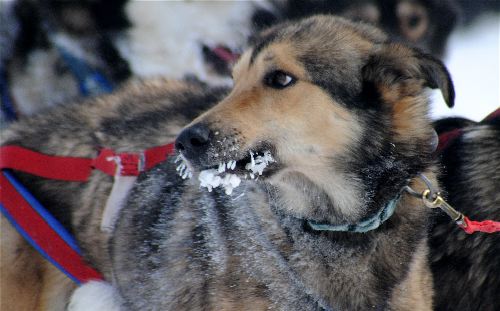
(238, 166)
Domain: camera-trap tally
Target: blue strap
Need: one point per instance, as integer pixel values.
(90, 81)
(8, 111)
(366, 225)
(47, 217)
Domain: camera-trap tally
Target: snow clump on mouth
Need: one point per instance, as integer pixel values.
(257, 165)
(183, 169)
(222, 177)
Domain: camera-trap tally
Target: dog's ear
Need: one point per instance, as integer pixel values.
(393, 65)
(437, 76)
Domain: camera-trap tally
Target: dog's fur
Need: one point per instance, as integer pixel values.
(139, 116)
(471, 180)
(348, 133)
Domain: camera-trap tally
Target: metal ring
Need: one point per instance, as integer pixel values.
(430, 202)
(433, 191)
(412, 192)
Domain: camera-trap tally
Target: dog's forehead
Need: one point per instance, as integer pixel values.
(319, 32)
(322, 37)
(326, 50)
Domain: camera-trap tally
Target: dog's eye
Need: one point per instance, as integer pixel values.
(278, 79)
(413, 20)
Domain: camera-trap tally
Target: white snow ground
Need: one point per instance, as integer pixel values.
(473, 59)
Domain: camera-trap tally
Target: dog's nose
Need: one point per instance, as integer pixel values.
(193, 141)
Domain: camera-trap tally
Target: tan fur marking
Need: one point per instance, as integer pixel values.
(56, 289)
(415, 292)
(410, 117)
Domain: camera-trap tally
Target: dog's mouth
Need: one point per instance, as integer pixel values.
(228, 174)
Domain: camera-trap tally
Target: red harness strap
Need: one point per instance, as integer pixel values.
(40, 228)
(494, 115)
(28, 161)
(446, 138)
(487, 226)
(43, 232)
(79, 169)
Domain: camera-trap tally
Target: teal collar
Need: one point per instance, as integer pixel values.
(366, 225)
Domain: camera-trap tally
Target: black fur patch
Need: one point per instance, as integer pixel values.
(197, 104)
(465, 267)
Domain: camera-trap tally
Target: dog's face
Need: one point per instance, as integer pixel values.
(338, 107)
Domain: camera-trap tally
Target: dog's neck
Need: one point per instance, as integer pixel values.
(365, 225)
(332, 253)
(330, 209)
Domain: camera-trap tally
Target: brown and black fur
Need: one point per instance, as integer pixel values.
(466, 267)
(136, 117)
(178, 247)
(347, 134)
(426, 24)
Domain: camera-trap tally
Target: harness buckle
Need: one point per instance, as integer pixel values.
(439, 202)
(129, 164)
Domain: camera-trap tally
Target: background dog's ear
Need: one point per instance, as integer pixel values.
(395, 64)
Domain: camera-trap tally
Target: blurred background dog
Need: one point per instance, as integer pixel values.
(53, 51)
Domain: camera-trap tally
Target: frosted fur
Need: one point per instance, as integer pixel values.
(259, 163)
(220, 177)
(183, 169)
(210, 179)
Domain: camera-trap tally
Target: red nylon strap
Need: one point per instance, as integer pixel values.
(488, 226)
(43, 235)
(494, 115)
(79, 169)
(446, 138)
(28, 220)
(53, 167)
(471, 226)
(158, 154)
